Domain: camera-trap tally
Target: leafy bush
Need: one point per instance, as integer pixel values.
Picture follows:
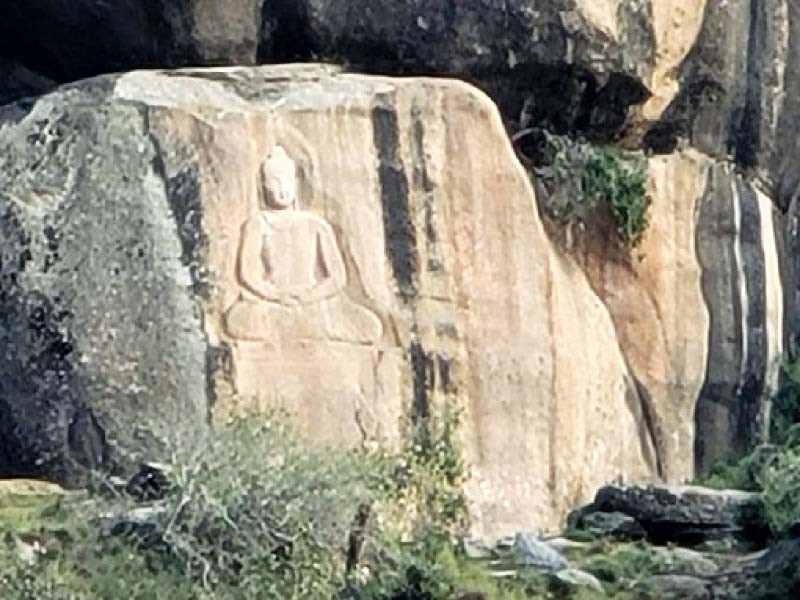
(621, 184)
(786, 402)
(780, 482)
(581, 179)
(734, 473)
(431, 569)
(256, 506)
(20, 581)
(430, 473)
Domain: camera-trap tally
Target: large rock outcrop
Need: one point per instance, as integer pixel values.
(735, 103)
(156, 260)
(698, 315)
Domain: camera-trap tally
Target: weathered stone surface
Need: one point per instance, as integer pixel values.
(739, 250)
(654, 295)
(737, 102)
(158, 259)
(685, 514)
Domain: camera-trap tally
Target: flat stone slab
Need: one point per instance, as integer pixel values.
(685, 514)
(29, 487)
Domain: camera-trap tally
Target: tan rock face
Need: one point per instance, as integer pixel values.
(655, 299)
(697, 307)
(373, 247)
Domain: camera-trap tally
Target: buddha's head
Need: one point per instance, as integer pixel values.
(279, 179)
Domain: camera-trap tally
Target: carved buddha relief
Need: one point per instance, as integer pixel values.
(292, 272)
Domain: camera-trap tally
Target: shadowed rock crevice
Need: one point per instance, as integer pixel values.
(285, 33)
(751, 426)
(85, 37)
(514, 50)
(747, 136)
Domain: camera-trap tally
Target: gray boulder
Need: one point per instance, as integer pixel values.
(571, 580)
(529, 550)
(100, 338)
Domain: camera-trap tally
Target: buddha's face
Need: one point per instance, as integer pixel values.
(279, 179)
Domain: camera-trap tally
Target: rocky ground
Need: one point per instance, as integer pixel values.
(648, 543)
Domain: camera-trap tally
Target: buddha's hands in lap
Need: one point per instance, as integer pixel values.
(297, 296)
(293, 298)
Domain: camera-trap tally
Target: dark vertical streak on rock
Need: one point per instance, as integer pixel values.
(218, 360)
(184, 196)
(425, 185)
(399, 231)
(639, 397)
(420, 369)
(753, 380)
(747, 136)
(422, 179)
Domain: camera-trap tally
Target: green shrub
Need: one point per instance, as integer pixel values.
(581, 179)
(431, 569)
(780, 482)
(786, 402)
(258, 507)
(621, 184)
(430, 472)
(254, 510)
(734, 473)
(20, 581)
